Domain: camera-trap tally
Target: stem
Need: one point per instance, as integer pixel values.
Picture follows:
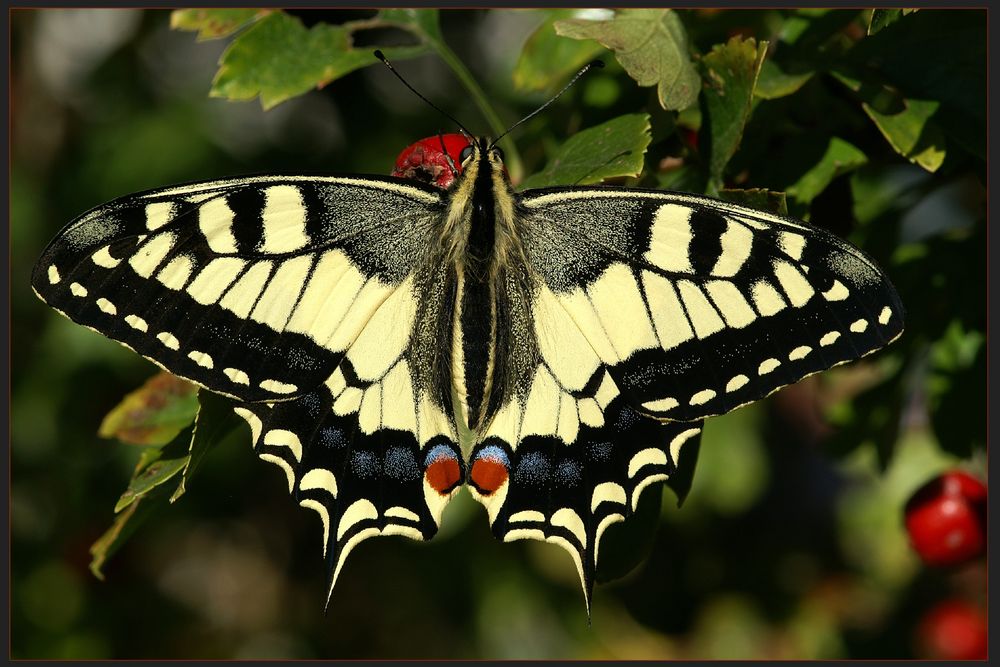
(512, 157)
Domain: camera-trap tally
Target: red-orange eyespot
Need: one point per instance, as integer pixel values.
(443, 471)
(490, 470)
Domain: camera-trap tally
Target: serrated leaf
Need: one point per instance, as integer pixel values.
(652, 46)
(773, 82)
(214, 23)
(547, 59)
(839, 158)
(730, 73)
(279, 58)
(611, 149)
(154, 413)
(215, 423)
(759, 198)
(905, 123)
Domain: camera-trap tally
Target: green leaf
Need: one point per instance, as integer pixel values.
(216, 422)
(905, 123)
(652, 46)
(154, 413)
(147, 493)
(840, 158)
(935, 55)
(880, 18)
(869, 411)
(148, 476)
(611, 149)
(956, 390)
(730, 74)
(214, 23)
(279, 58)
(759, 198)
(774, 83)
(547, 60)
(422, 22)
(111, 540)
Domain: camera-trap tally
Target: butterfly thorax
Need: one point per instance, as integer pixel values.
(481, 238)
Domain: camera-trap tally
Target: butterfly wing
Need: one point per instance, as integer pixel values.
(651, 311)
(373, 450)
(698, 306)
(565, 456)
(301, 298)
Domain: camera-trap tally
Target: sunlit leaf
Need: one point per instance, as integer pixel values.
(110, 541)
(214, 23)
(907, 125)
(652, 46)
(773, 82)
(730, 74)
(147, 477)
(611, 149)
(840, 157)
(154, 413)
(279, 58)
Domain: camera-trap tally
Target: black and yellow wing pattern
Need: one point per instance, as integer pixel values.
(579, 335)
(300, 298)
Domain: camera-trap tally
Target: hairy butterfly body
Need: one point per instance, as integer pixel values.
(580, 335)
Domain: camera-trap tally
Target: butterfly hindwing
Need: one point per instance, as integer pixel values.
(698, 306)
(253, 287)
(566, 456)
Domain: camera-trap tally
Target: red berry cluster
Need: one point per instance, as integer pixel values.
(946, 519)
(946, 522)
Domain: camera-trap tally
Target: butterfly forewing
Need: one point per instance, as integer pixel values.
(253, 288)
(698, 306)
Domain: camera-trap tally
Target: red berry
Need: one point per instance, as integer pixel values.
(946, 519)
(953, 630)
(426, 161)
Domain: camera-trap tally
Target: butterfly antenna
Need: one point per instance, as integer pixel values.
(593, 64)
(385, 61)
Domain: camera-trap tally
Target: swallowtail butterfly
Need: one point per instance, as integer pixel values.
(579, 336)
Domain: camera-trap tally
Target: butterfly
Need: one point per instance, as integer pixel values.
(389, 341)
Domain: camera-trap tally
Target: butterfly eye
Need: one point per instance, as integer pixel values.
(465, 154)
(498, 152)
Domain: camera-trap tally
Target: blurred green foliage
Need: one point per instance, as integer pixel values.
(790, 544)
